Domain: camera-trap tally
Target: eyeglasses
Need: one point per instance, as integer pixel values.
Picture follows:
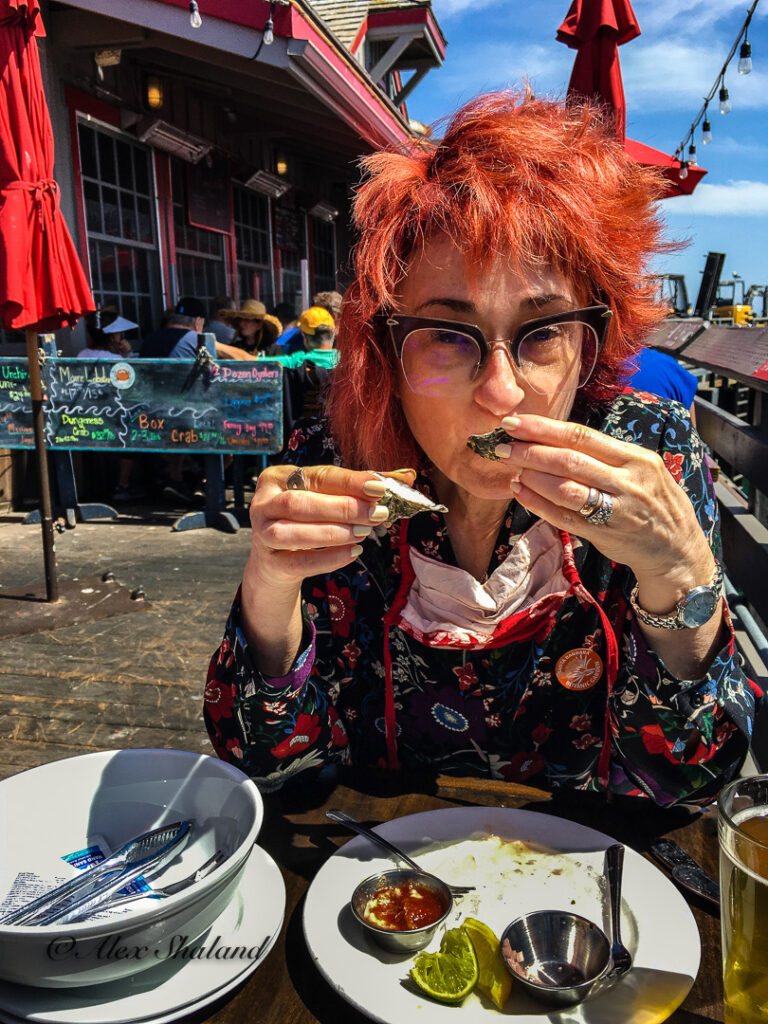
(441, 358)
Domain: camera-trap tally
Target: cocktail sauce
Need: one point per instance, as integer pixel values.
(404, 907)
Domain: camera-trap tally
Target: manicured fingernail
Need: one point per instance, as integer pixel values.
(514, 486)
(355, 551)
(378, 514)
(361, 531)
(510, 422)
(503, 450)
(375, 488)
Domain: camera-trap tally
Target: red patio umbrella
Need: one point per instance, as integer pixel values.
(596, 29)
(42, 284)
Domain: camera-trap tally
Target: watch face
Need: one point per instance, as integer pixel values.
(699, 607)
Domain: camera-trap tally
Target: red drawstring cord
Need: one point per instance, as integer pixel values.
(407, 576)
(611, 661)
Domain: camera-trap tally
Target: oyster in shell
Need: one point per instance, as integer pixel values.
(485, 444)
(404, 501)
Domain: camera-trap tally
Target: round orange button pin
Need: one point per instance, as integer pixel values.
(579, 669)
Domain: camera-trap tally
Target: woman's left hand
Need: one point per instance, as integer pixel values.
(653, 527)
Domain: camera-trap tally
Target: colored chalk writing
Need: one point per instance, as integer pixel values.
(146, 405)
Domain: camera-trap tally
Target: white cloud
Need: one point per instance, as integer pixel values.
(734, 199)
(689, 16)
(672, 75)
(449, 8)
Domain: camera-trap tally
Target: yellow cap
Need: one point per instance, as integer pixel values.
(313, 318)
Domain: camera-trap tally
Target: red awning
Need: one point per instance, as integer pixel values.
(596, 29)
(42, 283)
(676, 186)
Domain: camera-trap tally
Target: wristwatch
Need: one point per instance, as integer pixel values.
(691, 611)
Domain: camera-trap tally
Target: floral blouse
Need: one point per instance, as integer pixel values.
(365, 692)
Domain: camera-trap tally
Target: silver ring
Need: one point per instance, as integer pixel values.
(603, 513)
(296, 481)
(592, 504)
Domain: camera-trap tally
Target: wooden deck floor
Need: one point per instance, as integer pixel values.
(129, 681)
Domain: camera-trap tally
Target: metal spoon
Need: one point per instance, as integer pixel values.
(614, 865)
(344, 819)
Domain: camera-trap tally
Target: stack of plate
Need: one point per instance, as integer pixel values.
(154, 960)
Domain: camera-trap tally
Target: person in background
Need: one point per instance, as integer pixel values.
(658, 373)
(330, 301)
(318, 334)
(178, 339)
(105, 329)
(222, 331)
(290, 339)
(257, 331)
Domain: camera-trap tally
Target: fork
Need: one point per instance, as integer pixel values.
(614, 865)
(160, 893)
(342, 818)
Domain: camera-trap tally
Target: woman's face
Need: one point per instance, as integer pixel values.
(498, 300)
(249, 328)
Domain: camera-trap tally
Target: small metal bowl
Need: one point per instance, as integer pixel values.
(388, 938)
(556, 956)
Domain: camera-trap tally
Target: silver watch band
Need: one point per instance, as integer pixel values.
(674, 619)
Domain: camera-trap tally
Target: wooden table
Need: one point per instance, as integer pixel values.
(288, 988)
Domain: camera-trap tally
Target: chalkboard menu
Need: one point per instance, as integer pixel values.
(165, 405)
(16, 429)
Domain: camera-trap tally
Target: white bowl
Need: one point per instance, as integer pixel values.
(59, 808)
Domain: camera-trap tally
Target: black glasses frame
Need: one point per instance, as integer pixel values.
(596, 317)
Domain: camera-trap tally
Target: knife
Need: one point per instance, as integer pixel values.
(73, 891)
(686, 872)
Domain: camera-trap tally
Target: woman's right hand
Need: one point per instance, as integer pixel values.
(300, 533)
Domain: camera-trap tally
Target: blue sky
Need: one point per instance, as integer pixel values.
(667, 71)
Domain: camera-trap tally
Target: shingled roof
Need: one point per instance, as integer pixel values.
(345, 17)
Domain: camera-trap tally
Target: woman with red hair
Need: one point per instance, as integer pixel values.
(562, 621)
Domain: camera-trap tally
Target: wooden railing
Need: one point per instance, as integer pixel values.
(732, 364)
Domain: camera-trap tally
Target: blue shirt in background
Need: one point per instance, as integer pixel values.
(660, 374)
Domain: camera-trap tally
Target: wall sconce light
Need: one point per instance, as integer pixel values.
(281, 165)
(154, 92)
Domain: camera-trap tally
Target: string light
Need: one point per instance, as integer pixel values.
(692, 161)
(744, 66)
(195, 20)
(745, 57)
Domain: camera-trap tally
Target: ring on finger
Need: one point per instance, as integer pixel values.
(296, 481)
(603, 512)
(592, 504)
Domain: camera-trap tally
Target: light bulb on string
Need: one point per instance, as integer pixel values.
(706, 132)
(195, 20)
(683, 172)
(725, 101)
(269, 34)
(745, 58)
(692, 155)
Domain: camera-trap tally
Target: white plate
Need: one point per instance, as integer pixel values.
(176, 987)
(657, 925)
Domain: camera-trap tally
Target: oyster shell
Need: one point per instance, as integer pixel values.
(485, 444)
(404, 501)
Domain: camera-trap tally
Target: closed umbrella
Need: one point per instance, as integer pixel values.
(42, 284)
(596, 29)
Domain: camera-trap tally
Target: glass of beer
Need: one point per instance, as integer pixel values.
(743, 834)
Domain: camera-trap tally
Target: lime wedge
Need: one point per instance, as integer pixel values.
(450, 975)
(493, 978)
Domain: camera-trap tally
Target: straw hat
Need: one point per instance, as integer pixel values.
(252, 310)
